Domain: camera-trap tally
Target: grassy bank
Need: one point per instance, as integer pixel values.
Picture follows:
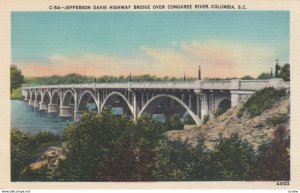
(16, 94)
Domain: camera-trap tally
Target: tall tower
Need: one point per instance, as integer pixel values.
(199, 73)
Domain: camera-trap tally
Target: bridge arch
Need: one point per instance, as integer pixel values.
(68, 98)
(28, 94)
(55, 99)
(151, 101)
(224, 104)
(46, 97)
(39, 94)
(113, 94)
(32, 95)
(85, 98)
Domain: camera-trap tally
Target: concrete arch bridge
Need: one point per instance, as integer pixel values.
(197, 98)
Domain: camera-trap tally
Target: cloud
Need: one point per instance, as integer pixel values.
(217, 59)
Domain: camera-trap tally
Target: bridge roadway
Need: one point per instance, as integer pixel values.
(198, 98)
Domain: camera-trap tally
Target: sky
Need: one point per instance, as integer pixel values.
(223, 43)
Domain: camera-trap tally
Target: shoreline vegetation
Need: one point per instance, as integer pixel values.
(16, 94)
(111, 147)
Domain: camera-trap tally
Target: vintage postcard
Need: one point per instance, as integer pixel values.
(153, 94)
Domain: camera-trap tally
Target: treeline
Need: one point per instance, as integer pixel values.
(284, 73)
(17, 78)
(76, 79)
(108, 147)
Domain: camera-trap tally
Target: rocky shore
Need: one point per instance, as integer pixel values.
(255, 130)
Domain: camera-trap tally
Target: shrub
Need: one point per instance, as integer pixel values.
(278, 119)
(172, 161)
(188, 120)
(273, 159)
(26, 148)
(108, 147)
(233, 159)
(219, 112)
(205, 119)
(16, 94)
(261, 101)
(174, 123)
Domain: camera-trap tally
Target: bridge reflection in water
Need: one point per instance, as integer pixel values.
(161, 100)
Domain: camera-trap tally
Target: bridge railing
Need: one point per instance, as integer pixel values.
(254, 84)
(156, 85)
(216, 84)
(235, 84)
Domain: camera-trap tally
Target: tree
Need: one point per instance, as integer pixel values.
(174, 123)
(233, 159)
(285, 72)
(264, 75)
(16, 78)
(273, 160)
(247, 77)
(110, 147)
(172, 161)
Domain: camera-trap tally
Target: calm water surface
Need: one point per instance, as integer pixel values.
(30, 119)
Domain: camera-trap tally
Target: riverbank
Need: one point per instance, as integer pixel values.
(16, 94)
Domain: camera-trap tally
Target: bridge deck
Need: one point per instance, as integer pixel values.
(202, 84)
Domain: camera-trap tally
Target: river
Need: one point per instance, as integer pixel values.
(30, 119)
(27, 118)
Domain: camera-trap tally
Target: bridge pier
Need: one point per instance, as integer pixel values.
(36, 104)
(204, 106)
(66, 111)
(30, 102)
(77, 115)
(53, 108)
(43, 106)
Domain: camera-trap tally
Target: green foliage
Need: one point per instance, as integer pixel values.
(16, 94)
(214, 78)
(26, 148)
(273, 160)
(247, 77)
(16, 77)
(261, 101)
(264, 75)
(172, 161)
(285, 72)
(219, 112)
(188, 120)
(111, 148)
(76, 79)
(278, 119)
(174, 123)
(233, 159)
(205, 119)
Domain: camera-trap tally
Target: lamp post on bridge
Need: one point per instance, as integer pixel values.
(277, 69)
(130, 77)
(199, 73)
